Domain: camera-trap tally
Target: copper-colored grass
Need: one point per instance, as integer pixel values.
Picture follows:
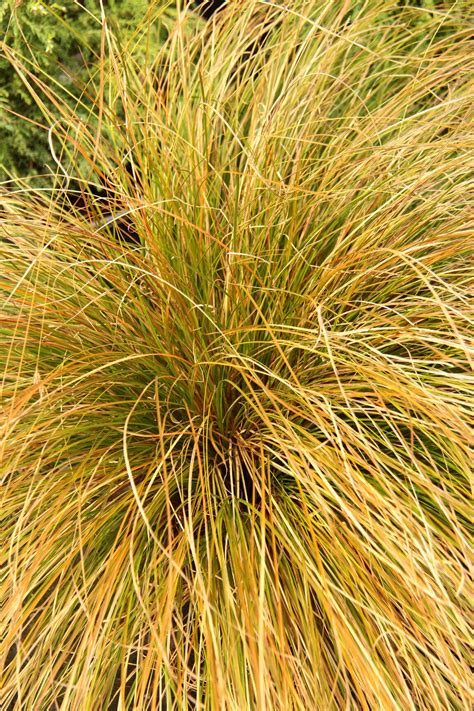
(236, 450)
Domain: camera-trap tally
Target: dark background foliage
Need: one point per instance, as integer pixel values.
(60, 40)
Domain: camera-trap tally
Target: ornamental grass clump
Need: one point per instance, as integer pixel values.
(236, 430)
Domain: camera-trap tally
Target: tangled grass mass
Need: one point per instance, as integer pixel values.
(236, 354)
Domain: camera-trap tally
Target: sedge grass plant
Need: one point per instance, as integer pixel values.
(235, 449)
